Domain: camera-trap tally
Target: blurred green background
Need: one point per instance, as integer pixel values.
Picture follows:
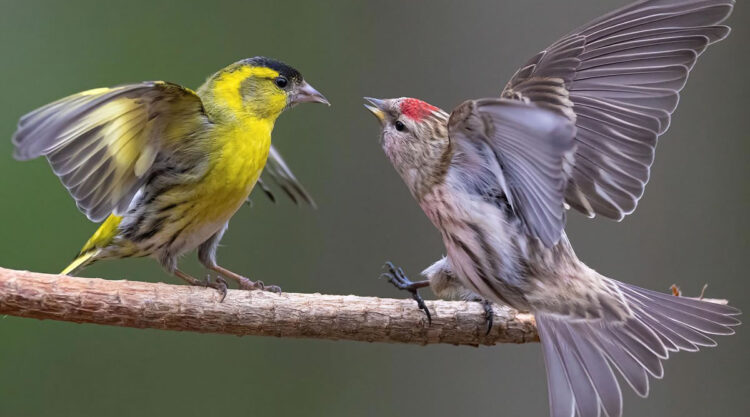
(691, 227)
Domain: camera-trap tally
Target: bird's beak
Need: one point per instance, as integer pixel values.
(307, 94)
(376, 106)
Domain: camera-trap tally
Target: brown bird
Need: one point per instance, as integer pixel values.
(577, 126)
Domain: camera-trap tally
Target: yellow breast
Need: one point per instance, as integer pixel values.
(239, 157)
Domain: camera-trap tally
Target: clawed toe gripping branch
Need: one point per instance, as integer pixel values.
(398, 278)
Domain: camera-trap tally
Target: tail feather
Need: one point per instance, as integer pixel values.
(80, 261)
(561, 401)
(600, 373)
(579, 378)
(93, 247)
(721, 309)
(631, 369)
(647, 359)
(581, 355)
(703, 320)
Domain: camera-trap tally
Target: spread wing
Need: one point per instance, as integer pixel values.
(619, 79)
(279, 173)
(102, 143)
(521, 150)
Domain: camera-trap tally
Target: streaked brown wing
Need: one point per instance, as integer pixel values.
(619, 77)
(102, 143)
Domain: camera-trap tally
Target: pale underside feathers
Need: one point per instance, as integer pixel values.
(619, 79)
(103, 143)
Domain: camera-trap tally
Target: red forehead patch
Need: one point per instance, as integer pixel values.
(416, 109)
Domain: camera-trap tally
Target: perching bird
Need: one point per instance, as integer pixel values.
(166, 167)
(576, 127)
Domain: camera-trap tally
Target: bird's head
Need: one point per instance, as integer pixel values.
(414, 136)
(256, 87)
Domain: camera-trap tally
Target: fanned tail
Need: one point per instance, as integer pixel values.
(581, 355)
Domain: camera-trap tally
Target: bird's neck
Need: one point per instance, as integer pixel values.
(430, 170)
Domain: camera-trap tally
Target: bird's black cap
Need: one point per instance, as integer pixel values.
(282, 68)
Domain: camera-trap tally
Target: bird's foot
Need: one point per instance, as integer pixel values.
(398, 278)
(249, 285)
(245, 283)
(219, 284)
(489, 314)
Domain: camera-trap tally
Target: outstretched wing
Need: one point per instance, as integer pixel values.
(102, 143)
(619, 79)
(278, 171)
(520, 149)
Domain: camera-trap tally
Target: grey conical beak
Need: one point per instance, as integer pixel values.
(377, 107)
(307, 94)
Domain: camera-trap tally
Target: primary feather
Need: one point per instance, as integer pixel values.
(619, 79)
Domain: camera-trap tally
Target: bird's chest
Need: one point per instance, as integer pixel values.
(238, 162)
(480, 242)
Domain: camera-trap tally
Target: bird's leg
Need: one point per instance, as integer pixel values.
(219, 284)
(207, 256)
(398, 278)
(243, 282)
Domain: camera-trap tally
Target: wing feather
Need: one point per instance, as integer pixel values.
(279, 173)
(619, 78)
(102, 143)
(523, 150)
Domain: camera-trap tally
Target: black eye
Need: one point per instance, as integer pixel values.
(281, 82)
(399, 126)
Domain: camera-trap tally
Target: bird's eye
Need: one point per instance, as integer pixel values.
(281, 82)
(399, 126)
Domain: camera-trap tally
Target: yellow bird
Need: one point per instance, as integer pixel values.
(166, 167)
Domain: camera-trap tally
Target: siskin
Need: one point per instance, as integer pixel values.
(166, 167)
(577, 126)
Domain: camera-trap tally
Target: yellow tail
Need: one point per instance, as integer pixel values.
(101, 238)
(79, 262)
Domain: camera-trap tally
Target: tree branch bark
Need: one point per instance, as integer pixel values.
(259, 313)
(184, 308)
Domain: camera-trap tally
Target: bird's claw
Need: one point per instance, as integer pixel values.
(489, 315)
(398, 278)
(272, 288)
(220, 285)
(249, 285)
(422, 306)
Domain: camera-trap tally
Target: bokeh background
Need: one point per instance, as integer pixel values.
(691, 227)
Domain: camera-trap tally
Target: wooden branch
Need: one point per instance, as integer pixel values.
(180, 307)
